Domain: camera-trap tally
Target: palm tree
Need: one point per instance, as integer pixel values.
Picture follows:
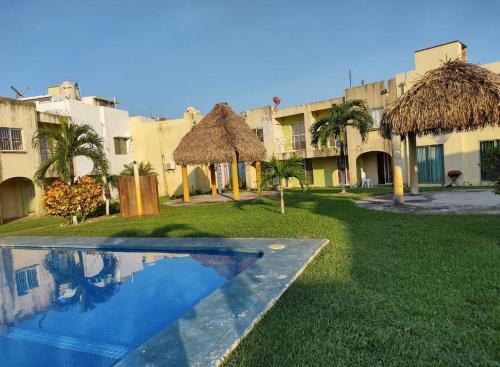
(82, 290)
(145, 169)
(69, 141)
(354, 113)
(279, 171)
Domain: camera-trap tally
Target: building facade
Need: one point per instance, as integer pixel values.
(111, 123)
(285, 132)
(154, 141)
(19, 160)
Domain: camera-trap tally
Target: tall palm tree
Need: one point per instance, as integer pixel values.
(145, 169)
(354, 113)
(69, 141)
(276, 171)
(82, 290)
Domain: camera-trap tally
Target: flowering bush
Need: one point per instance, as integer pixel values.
(88, 194)
(66, 201)
(60, 200)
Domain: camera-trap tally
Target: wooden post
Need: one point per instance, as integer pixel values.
(234, 171)
(185, 183)
(137, 184)
(397, 171)
(257, 175)
(412, 157)
(1, 214)
(213, 180)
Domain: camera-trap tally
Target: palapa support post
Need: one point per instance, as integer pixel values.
(412, 147)
(397, 171)
(257, 176)
(234, 171)
(185, 183)
(137, 183)
(213, 180)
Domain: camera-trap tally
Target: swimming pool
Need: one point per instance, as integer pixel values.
(91, 301)
(90, 308)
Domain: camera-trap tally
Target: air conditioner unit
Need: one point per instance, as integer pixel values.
(170, 166)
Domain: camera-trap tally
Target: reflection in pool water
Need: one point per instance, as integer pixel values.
(89, 308)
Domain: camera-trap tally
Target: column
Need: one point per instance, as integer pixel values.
(234, 171)
(213, 180)
(397, 170)
(257, 175)
(185, 183)
(413, 166)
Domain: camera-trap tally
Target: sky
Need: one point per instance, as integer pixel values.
(157, 57)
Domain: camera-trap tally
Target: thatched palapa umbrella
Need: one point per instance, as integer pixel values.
(221, 136)
(456, 96)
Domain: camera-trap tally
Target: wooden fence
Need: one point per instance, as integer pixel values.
(149, 196)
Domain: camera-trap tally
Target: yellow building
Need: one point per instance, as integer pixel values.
(154, 141)
(285, 132)
(457, 151)
(19, 196)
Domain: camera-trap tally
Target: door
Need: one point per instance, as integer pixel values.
(430, 160)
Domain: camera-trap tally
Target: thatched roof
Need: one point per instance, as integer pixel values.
(217, 137)
(454, 97)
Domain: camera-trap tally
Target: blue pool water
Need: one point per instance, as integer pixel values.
(90, 308)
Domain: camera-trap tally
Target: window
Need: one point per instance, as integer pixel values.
(430, 160)
(377, 116)
(484, 147)
(259, 133)
(308, 168)
(120, 146)
(298, 136)
(11, 139)
(45, 150)
(26, 279)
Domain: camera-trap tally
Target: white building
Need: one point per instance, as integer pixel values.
(100, 113)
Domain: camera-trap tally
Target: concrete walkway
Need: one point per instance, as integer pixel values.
(223, 198)
(453, 202)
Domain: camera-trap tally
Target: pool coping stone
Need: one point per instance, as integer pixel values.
(214, 327)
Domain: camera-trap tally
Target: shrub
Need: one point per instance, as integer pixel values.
(60, 200)
(100, 210)
(490, 163)
(88, 193)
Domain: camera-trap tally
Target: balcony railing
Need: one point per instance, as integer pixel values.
(298, 147)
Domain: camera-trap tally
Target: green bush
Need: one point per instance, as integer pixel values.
(490, 163)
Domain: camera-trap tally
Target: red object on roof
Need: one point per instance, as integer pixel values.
(276, 100)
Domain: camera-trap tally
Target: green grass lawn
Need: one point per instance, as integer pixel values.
(389, 290)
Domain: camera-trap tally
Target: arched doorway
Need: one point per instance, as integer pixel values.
(17, 198)
(375, 165)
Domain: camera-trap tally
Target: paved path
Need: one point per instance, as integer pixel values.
(207, 199)
(454, 202)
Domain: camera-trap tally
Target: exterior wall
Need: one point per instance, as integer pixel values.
(18, 196)
(325, 172)
(107, 122)
(377, 95)
(36, 300)
(155, 141)
(277, 128)
(461, 150)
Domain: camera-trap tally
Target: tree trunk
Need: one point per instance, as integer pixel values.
(282, 199)
(342, 165)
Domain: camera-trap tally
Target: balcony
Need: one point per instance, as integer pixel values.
(298, 147)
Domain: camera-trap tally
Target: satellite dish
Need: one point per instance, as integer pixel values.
(16, 91)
